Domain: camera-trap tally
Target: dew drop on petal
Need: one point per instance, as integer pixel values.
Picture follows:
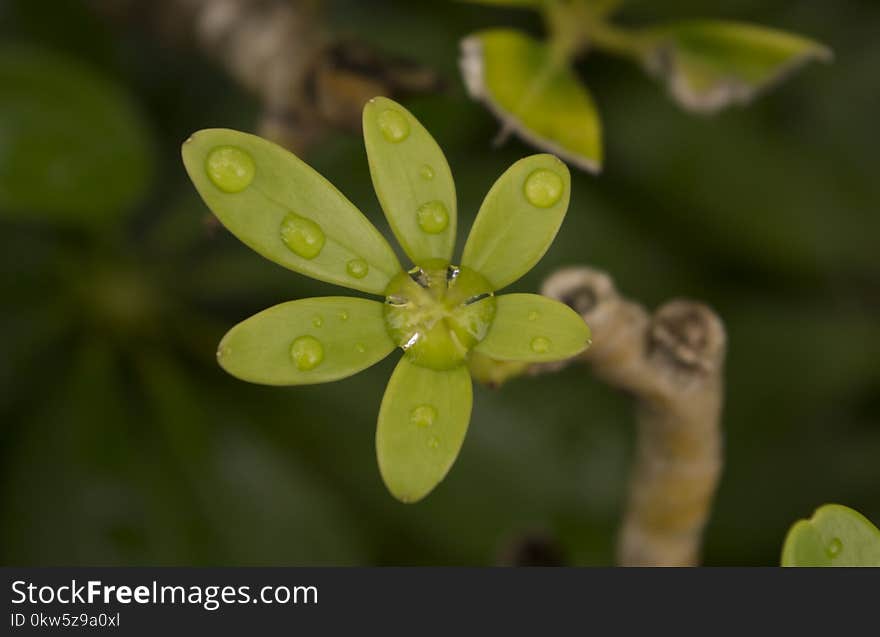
(433, 442)
(423, 415)
(834, 547)
(229, 168)
(307, 353)
(302, 236)
(393, 125)
(412, 341)
(433, 217)
(540, 345)
(543, 188)
(343, 315)
(426, 172)
(358, 268)
(396, 300)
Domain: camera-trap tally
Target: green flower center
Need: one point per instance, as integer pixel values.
(438, 312)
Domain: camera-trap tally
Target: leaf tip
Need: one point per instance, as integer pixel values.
(824, 53)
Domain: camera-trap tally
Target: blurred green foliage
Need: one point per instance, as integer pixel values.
(706, 65)
(74, 149)
(123, 442)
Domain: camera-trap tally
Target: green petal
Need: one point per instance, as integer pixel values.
(422, 422)
(533, 94)
(708, 64)
(283, 209)
(307, 341)
(518, 219)
(835, 536)
(412, 181)
(533, 328)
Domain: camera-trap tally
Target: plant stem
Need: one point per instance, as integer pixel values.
(612, 39)
(604, 8)
(672, 363)
(577, 26)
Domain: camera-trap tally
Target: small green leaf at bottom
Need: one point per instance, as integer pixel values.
(835, 536)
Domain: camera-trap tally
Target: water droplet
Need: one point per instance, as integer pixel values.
(303, 236)
(225, 350)
(358, 268)
(834, 547)
(533, 315)
(426, 172)
(423, 416)
(433, 442)
(343, 315)
(433, 217)
(230, 169)
(393, 125)
(396, 300)
(360, 348)
(412, 341)
(543, 188)
(317, 321)
(540, 345)
(307, 353)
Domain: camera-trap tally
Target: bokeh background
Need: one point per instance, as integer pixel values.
(122, 441)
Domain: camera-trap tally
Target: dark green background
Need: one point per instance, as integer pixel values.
(122, 442)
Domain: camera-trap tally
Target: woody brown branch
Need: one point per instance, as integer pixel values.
(671, 361)
(307, 79)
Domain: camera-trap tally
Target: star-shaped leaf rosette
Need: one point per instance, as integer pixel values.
(438, 313)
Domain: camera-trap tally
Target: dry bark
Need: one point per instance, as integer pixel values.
(672, 362)
(307, 79)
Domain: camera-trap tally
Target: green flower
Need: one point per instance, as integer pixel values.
(436, 312)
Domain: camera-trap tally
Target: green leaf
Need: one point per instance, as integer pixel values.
(422, 423)
(73, 147)
(307, 341)
(709, 64)
(533, 328)
(412, 181)
(518, 219)
(534, 94)
(835, 536)
(287, 212)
